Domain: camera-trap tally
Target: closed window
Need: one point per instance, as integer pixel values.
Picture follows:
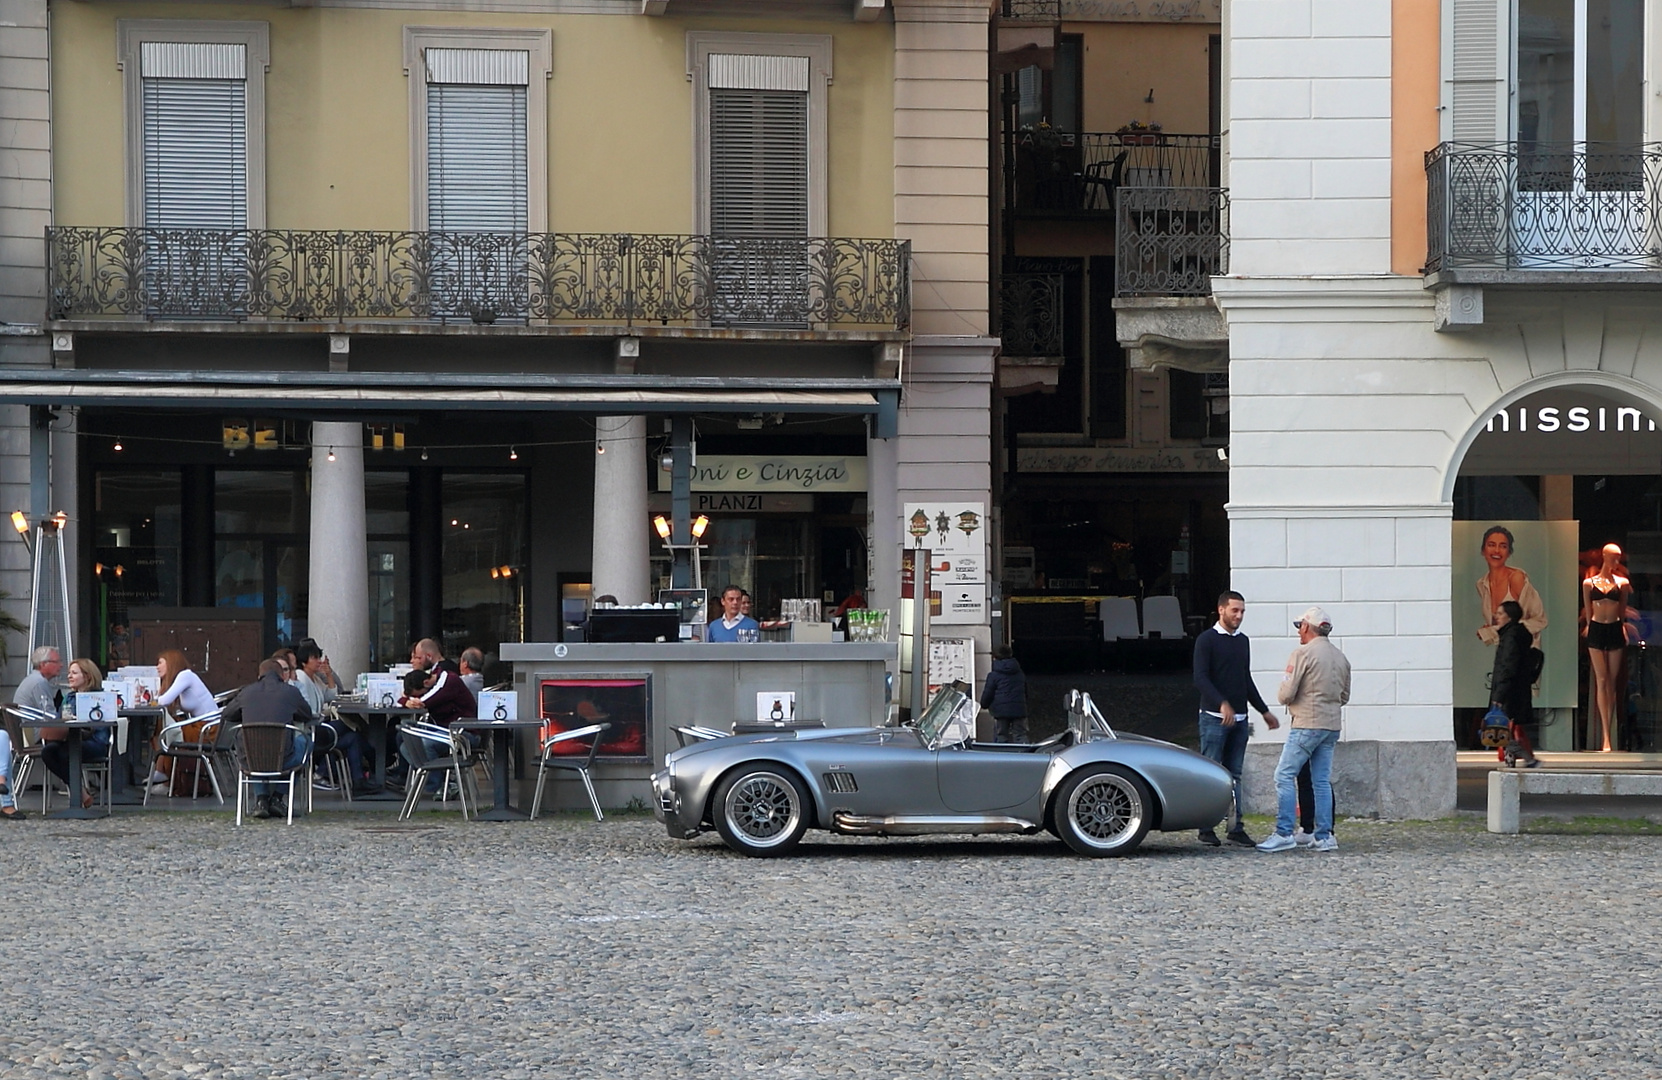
(194, 135)
(476, 140)
(759, 146)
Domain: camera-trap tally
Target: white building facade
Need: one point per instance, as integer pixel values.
(1440, 208)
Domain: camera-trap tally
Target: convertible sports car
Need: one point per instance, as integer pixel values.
(1099, 791)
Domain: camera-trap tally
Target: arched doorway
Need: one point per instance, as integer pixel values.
(1557, 470)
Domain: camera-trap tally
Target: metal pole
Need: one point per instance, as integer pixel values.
(680, 502)
(40, 462)
(920, 632)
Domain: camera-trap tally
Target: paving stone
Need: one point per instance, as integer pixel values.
(185, 947)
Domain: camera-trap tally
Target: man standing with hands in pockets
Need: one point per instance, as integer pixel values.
(1223, 674)
(1314, 689)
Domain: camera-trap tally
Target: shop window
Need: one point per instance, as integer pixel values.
(1187, 404)
(483, 560)
(261, 542)
(387, 517)
(136, 530)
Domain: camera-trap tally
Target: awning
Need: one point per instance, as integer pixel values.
(275, 392)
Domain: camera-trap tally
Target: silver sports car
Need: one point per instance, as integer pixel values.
(1099, 791)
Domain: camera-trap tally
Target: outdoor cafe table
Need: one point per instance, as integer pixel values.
(127, 767)
(501, 733)
(379, 718)
(78, 730)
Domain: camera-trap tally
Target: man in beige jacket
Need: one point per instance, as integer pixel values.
(1314, 689)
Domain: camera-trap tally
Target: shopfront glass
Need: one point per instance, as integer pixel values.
(768, 557)
(1551, 481)
(484, 558)
(387, 517)
(261, 527)
(136, 539)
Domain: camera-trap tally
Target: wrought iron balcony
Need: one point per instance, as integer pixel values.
(1062, 173)
(1030, 11)
(552, 278)
(1170, 241)
(1031, 310)
(1512, 210)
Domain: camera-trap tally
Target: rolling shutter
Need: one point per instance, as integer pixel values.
(1479, 71)
(759, 145)
(194, 133)
(476, 177)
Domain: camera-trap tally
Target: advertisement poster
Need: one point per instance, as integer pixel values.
(1545, 553)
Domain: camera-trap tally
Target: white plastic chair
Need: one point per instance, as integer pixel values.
(1163, 615)
(1119, 618)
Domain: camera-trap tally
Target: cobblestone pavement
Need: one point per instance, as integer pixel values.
(181, 946)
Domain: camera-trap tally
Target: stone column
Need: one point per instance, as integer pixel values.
(338, 581)
(620, 519)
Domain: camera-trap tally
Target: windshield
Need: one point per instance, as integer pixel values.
(950, 718)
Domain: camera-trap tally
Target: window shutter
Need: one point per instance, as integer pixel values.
(758, 163)
(1479, 71)
(476, 163)
(195, 152)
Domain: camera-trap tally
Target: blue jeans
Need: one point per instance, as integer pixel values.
(1227, 747)
(299, 746)
(1314, 745)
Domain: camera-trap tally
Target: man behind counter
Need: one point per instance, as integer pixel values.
(733, 621)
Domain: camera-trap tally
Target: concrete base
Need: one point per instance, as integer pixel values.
(1370, 779)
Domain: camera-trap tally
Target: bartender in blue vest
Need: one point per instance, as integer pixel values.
(733, 625)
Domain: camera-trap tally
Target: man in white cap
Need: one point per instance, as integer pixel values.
(1315, 688)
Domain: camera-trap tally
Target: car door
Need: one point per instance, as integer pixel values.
(988, 779)
(886, 772)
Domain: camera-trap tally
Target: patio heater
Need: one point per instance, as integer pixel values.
(49, 611)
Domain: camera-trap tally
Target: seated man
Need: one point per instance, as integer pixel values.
(733, 621)
(271, 701)
(473, 670)
(312, 680)
(446, 700)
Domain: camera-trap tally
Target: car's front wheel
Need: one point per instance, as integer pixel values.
(1103, 811)
(761, 810)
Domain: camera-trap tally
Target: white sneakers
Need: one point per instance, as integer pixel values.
(1299, 839)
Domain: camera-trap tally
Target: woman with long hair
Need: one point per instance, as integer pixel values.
(1604, 597)
(84, 678)
(183, 694)
(1502, 583)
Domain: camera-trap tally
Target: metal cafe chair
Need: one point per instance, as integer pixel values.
(582, 766)
(457, 761)
(26, 755)
(260, 750)
(203, 749)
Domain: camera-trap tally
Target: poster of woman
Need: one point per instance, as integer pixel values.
(1535, 564)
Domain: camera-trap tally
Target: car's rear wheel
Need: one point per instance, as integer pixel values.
(761, 810)
(1103, 811)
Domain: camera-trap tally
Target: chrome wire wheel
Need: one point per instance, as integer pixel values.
(761, 812)
(1104, 812)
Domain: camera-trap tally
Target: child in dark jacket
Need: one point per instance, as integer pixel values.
(1005, 695)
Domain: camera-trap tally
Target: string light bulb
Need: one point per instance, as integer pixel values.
(118, 446)
(424, 453)
(513, 453)
(600, 448)
(331, 453)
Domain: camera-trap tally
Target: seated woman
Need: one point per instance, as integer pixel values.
(84, 676)
(183, 692)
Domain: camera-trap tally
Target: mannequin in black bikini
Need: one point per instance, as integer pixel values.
(1604, 597)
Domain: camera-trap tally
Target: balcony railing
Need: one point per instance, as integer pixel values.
(1058, 172)
(1031, 310)
(1032, 11)
(1170, 241)
(1536, 206)
(273, 274)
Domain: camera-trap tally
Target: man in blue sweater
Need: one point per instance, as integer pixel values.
(1223, 673)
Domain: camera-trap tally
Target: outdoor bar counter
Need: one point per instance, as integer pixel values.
(646, 690)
